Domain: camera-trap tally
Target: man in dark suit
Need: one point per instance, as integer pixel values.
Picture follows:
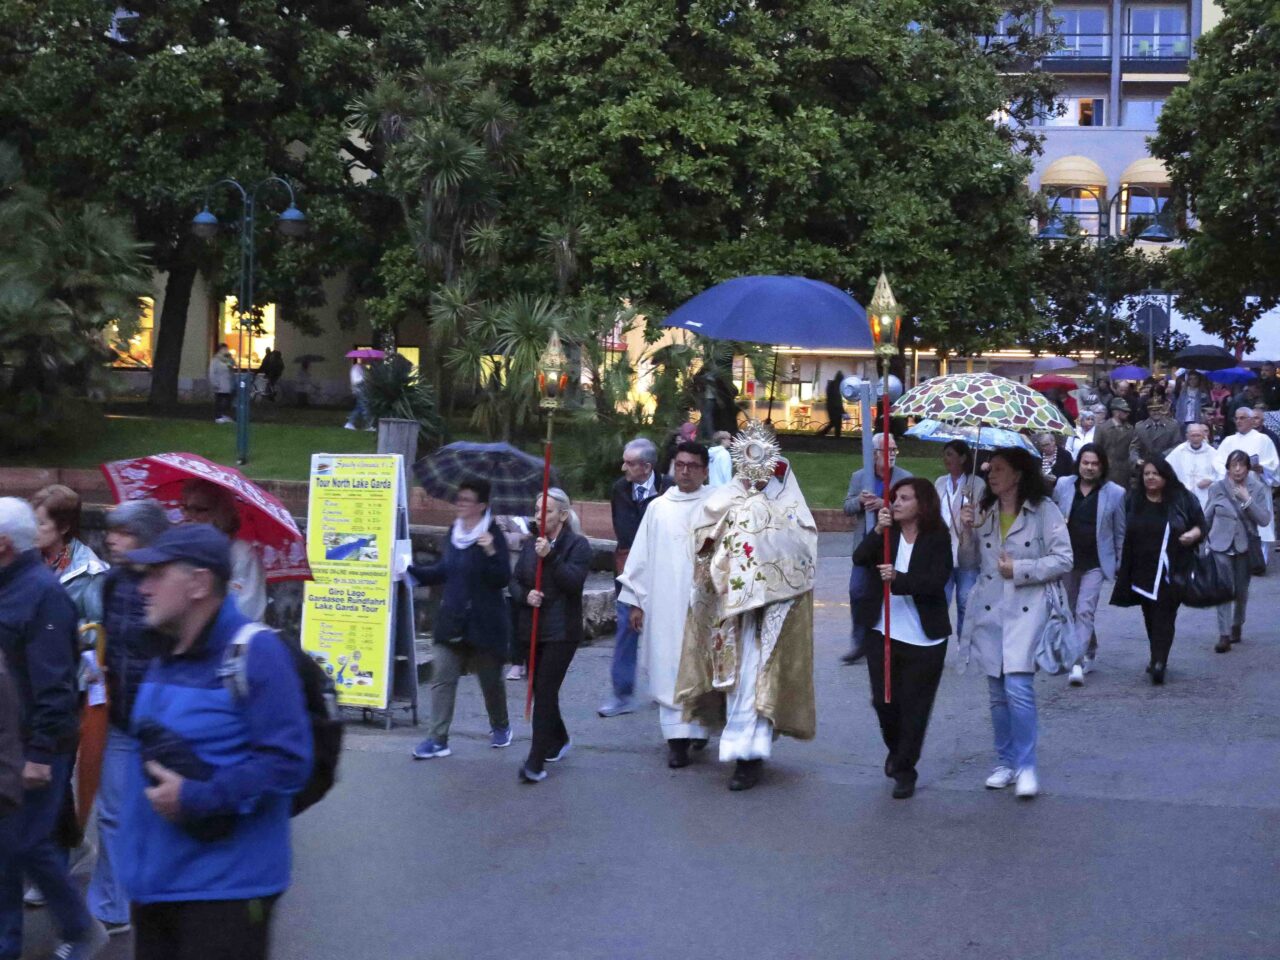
(632, 493)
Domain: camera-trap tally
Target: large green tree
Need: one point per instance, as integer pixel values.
(1219, 137)
(139, 110)
(682, 143)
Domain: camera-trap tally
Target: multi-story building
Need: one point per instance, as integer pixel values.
(1118, 61)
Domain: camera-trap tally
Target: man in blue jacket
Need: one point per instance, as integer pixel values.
(38, 640)
(207, 850)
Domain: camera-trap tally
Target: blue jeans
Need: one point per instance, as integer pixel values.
(859, 583)
(960, 584)
(625, 643)
(107, 900)
(27, 849)
(1013, 718)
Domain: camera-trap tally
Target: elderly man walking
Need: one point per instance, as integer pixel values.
(863, 501)
(1194, 462)
(1115, 437)
(639, 485)
(38, 640)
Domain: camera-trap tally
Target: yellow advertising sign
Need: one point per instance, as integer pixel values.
(347, 609)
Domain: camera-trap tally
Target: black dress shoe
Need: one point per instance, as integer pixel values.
(853, 656)
(903, 787)
(1157, 674)
(746, 775)
(698, 743)
(678, 753)
(888, 766)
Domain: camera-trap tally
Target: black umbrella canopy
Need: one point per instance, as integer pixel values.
(1205, 356)
(515, 477)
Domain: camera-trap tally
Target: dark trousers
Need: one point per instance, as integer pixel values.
(551, 663)
(203, 930)
(222, 404)
(1159, 616)
(914, 676)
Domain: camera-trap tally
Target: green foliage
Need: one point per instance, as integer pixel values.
(396, 389)
(67, 272)
(1080, 280)
(1218, 136)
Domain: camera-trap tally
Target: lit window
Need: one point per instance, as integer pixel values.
(1141, 205)
(256, 339)
(137, 350)
(1079, 112)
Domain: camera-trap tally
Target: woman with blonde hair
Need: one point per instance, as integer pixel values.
(566, 560)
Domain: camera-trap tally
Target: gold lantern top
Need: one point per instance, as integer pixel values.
(553, 374)
(885, 317)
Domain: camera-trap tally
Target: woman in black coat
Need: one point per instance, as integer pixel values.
(1163, 524)
(919, 624)
(566, 560)
(472, 629)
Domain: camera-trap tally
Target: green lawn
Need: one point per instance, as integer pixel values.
(277, 451)
(824, 477)
(281, 450)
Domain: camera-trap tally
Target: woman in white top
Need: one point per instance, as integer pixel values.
(919, 626)
(957, 487)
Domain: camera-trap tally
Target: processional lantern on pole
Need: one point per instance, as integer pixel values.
(885, 317)
(553, 381)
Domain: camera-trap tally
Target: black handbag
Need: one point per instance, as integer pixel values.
(1207, 580)
(1257, 559)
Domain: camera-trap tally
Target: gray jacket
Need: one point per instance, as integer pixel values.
(11, 757)
(864, 479)
(1226, 533)
(1004, 618)
(1111, 519)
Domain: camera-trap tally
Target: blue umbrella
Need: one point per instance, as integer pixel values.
(787, 311)
(986, 438)
(1232, 376)
(1130, 373)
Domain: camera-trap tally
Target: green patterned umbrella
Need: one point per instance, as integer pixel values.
(982, 399)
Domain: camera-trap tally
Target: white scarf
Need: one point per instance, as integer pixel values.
(462, 538)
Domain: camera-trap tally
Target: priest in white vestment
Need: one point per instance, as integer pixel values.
(1195, 462)
(747, 663)
(656, 582)
(1262, 456)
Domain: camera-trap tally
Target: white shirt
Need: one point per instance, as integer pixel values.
(646, 485)
(721, 468)
(904, 619)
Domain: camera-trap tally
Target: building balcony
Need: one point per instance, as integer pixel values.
(1155, 52)
(1081, 53)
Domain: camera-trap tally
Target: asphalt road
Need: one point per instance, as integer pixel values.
(1155, 836)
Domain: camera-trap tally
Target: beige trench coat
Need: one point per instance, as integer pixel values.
(1004, 618)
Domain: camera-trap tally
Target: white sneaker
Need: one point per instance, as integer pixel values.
(1000, 778)
(516, 672)
(1077, 676)
(1028, 786)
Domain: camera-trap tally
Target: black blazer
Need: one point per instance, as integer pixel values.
(628, 512)
(925, 581)
(472, 607)
(1184, 513)
(564, 574)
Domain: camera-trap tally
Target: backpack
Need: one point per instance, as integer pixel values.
(321, 698)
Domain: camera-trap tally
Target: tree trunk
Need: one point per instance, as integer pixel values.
(166, 363)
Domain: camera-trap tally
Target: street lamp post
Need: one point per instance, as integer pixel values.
(1155, 232)
(885, 317)
(291, 223)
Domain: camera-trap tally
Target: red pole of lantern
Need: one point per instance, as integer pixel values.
(886, 324)
(537, 575)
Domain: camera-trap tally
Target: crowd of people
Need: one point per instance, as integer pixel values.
(191, 854)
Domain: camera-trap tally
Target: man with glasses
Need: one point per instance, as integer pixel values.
(863, 502)
(655, 587)
(206, 502)
(205, 824)
(639, 485)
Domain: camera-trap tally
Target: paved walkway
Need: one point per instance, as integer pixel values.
(1155, 835)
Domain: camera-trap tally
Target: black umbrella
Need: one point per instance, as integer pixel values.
(1205, 356)
(515, 477)
(308, 358)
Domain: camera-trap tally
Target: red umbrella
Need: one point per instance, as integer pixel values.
(264, 520)
(1053, 382)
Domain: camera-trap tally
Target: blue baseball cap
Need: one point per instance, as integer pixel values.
(195, 543)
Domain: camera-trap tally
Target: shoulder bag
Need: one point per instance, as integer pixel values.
(1058, 646)
(1257, 559)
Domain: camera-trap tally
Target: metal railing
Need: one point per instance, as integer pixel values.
(1092, 46)
(1157, 46)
